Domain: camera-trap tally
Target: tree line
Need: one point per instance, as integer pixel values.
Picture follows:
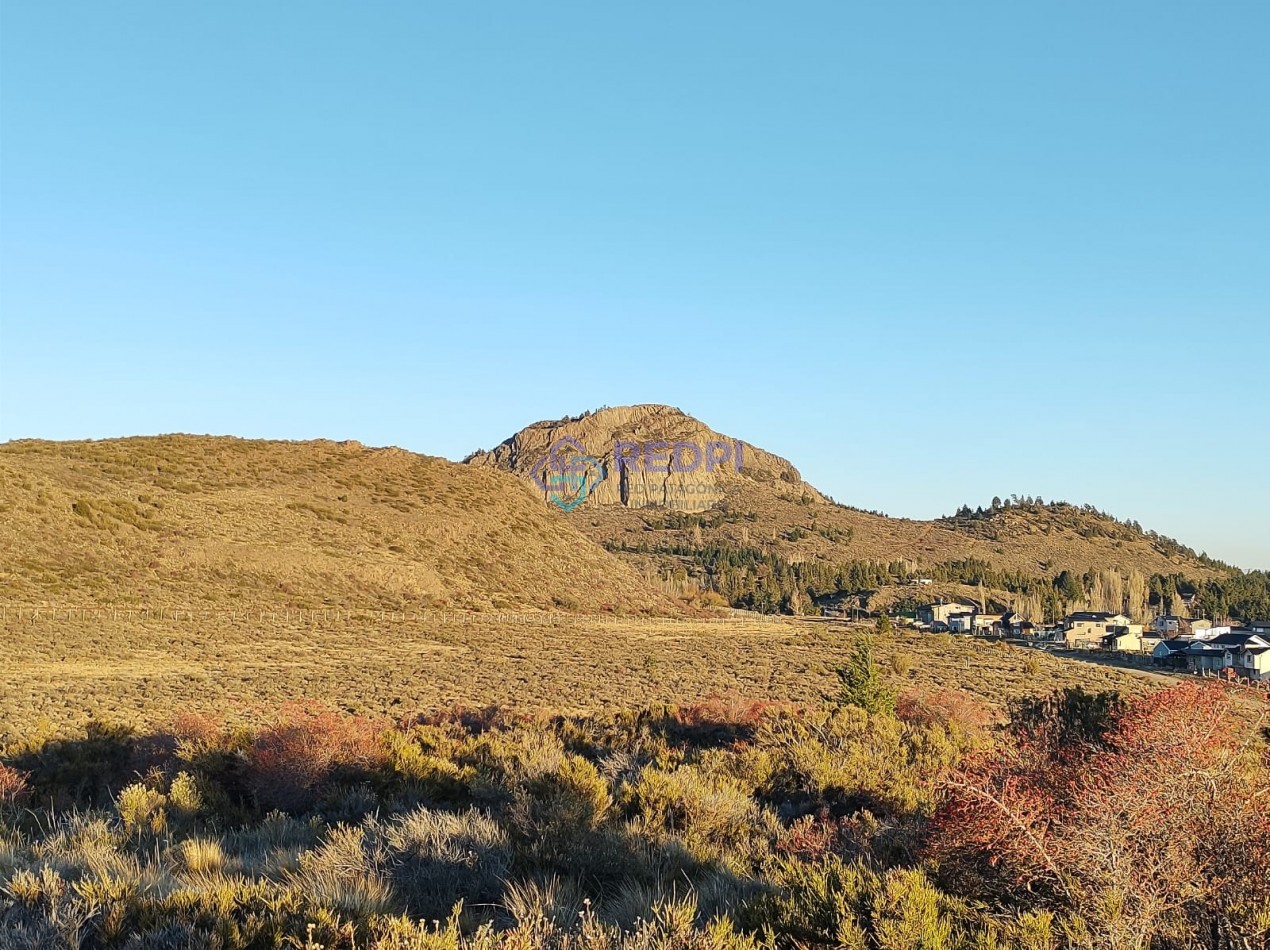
(750, 578)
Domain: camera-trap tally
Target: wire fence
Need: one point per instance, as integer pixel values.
(299, 615)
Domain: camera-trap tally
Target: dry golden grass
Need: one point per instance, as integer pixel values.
(144, 671)
(196, 520)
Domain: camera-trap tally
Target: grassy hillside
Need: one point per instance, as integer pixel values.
(206, 520)
(767, 508)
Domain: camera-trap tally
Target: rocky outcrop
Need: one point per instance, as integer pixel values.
(635, 456)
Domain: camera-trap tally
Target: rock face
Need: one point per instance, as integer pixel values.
(635, 456)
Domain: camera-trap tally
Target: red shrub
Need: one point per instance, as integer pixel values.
(13, 787)
(730, 710)
(944, 706)
(291, 761)
(1163, 817)
(196, 728)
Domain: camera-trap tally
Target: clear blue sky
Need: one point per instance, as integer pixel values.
(929, 252)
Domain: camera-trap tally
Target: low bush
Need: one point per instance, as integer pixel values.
(721, 826)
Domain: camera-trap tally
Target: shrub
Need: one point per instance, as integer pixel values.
(141, 808)
(945, 707)
(436, 859)
(553, 811)
(1138, 820)
(291, 762)
(201, 855)
(713, 815)
(82, 771)
(833, 903)
(14, 789)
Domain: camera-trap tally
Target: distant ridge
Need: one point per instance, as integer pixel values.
(768, 506)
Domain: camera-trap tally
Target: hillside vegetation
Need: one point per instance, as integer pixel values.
(874, 820)
(207, 520)
(768, 541)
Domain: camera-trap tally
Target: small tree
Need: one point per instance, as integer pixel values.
(884, 625)
(862, 683)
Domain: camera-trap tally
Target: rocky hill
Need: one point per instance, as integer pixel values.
(766, 506)
(649, 456)
(209, 521)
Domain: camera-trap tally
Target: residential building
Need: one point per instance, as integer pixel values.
(1085, 629)
(1253, 662)
(1171, 653)
(1125, 639)
(939, 613)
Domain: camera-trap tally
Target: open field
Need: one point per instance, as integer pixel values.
(235, 817)
(143, 671)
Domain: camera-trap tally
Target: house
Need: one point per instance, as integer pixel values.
(1238, 651)
(1205, 657)
(939, 613)
(1239, 637)
(1253, 662)
(1085, 629)
(1170, 653)
(1126, 639)
(1016, 625)
(1260, 627)
(989, 623)
(1207, 633)
(963, 622)
(1171, 625)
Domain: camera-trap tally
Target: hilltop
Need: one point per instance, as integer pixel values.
(767, 504)
(204, 521)
(765, 520)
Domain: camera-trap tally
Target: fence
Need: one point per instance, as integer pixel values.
(293, 615)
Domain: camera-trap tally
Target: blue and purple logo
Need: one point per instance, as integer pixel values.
(568, 474)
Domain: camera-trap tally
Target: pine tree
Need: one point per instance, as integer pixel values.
(862, 683)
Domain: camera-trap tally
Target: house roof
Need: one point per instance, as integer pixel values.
(1096, 616)
(1175, 646)
(1208, 646)
(1235, 638)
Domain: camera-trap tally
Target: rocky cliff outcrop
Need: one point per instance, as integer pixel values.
(636, 456)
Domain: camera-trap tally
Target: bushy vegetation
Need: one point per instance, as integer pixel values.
(725, 824)
(753, 578)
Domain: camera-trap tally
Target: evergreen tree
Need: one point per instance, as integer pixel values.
(862, 683)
